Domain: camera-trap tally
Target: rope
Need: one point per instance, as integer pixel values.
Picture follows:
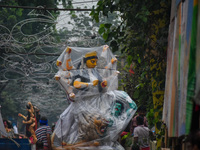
(18, 145)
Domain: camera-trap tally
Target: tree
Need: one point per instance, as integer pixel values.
(21, 37)
(30, 46)
(142, 37)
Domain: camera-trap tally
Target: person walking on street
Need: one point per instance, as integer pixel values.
(43, 134)
(141, 134)
(141, 112)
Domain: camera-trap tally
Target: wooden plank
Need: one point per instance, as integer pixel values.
(197, 91)
(184, 57)
(173, 10)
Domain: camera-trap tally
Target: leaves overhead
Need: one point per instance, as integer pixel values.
(142, 36)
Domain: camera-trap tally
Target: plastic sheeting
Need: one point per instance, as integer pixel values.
(98, 112)
(2, 128)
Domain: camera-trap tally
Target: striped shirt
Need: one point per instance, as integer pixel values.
(41, 134)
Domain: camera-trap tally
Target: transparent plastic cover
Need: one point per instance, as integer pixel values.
(98, 112)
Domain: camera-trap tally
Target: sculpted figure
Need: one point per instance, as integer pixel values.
(98, 112)
(30, 122)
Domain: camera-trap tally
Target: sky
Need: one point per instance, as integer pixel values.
(64, 16)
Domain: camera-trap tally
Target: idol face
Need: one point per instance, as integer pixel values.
(91, 63)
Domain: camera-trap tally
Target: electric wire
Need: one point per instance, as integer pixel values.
(44, 8)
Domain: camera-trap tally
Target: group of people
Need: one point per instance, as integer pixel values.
(38, 125)
(43, 133)
(141, 133)
(10, 128)
(139, 130)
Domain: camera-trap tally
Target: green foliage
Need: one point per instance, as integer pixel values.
(19, 12)
(152, 121)
(129, 59)
(9, 107)
(136, 94)
(12, 105)
(125, 136)
(156, 121)
(128, 139)
(141, 36)
(12, 19)
(151, 118)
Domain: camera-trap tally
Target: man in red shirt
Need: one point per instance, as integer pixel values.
(141, 112)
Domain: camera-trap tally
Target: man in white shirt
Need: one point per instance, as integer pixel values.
(141, 134)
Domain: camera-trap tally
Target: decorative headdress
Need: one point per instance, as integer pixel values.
(90, 55)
